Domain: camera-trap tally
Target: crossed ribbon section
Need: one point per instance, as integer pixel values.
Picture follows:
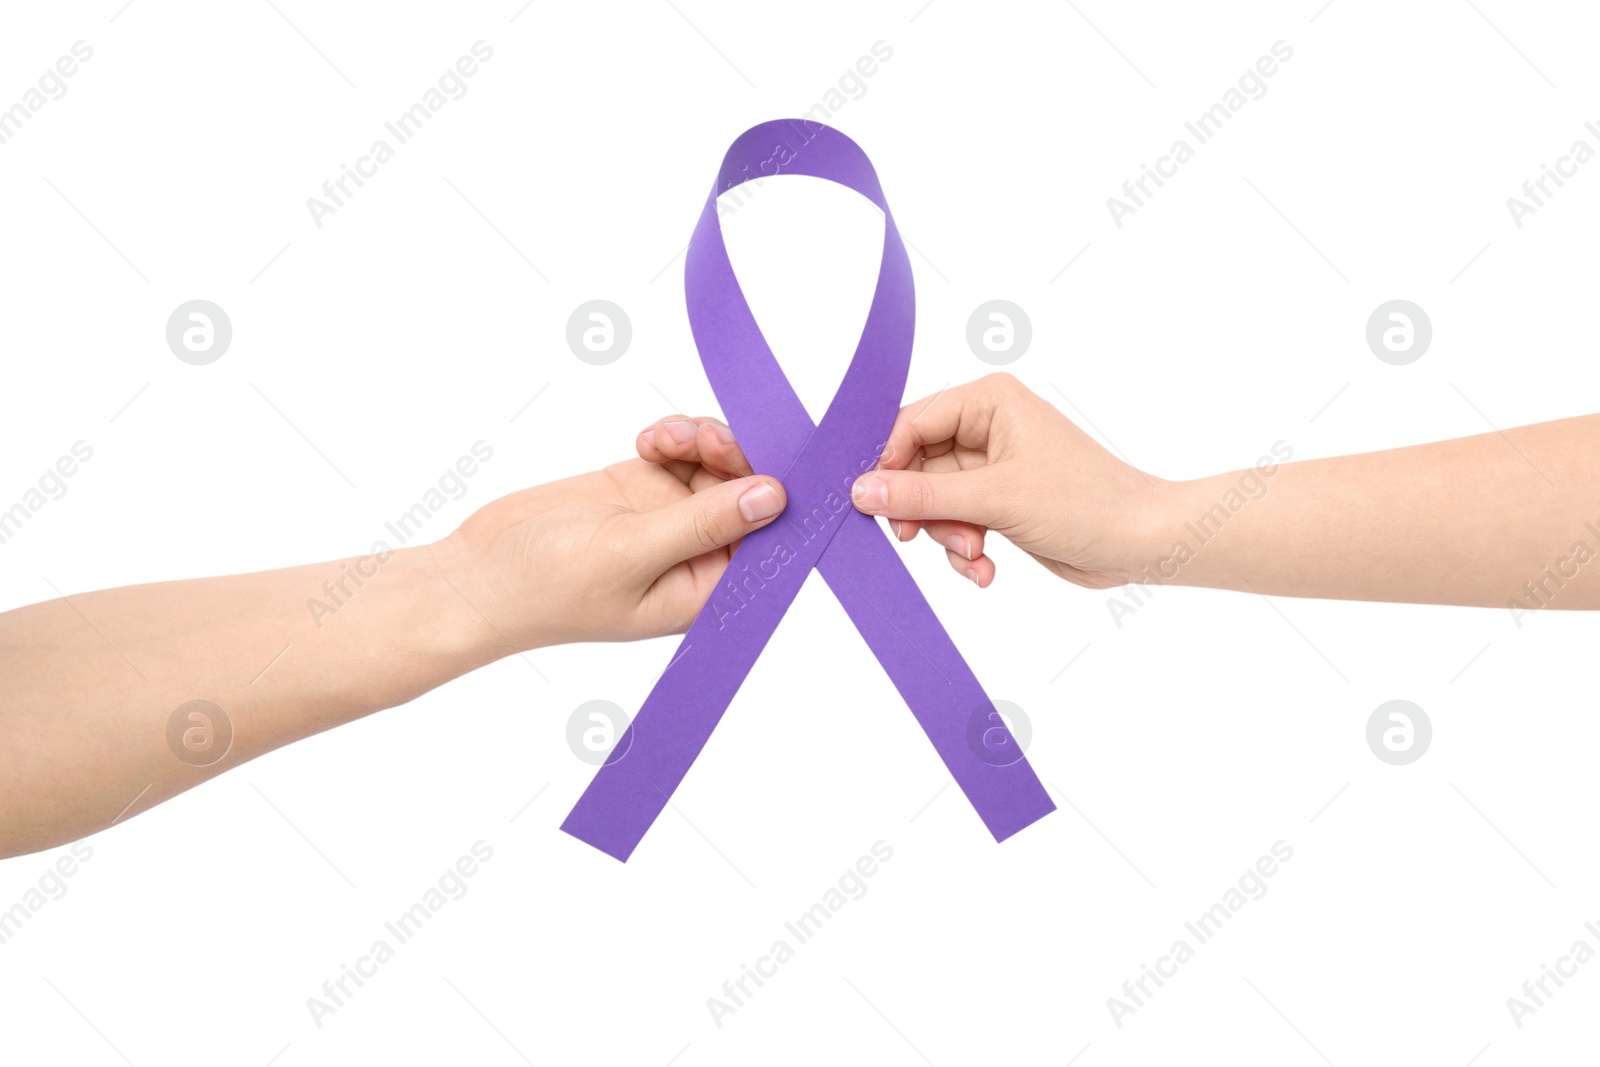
(819, 529)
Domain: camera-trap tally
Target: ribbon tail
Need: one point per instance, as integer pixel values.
(897, 622)
(679, 716)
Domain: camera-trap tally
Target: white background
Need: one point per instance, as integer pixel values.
(1227, 314)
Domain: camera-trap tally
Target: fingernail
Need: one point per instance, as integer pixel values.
(649, 437)
(759, 503)
(869, 493)
(724, 434)
(961, 547)
(973, 574)
(894, 524)
(682, 432)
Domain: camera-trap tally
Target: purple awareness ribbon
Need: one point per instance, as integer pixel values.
(819, 529)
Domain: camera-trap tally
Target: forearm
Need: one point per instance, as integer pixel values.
(1479, 520)
(89, 682)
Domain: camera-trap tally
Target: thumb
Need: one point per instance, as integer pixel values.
(965, 495)
(710, 519)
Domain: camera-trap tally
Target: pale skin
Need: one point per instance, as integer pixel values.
(1464, 522)
(88, 682)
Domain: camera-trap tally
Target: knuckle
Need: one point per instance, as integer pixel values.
(1006, 503)
(708, 529)
(623, 548)
(917, 495)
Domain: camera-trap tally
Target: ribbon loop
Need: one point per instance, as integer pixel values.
(819, 529)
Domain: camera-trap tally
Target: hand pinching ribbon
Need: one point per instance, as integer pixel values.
(819, 529)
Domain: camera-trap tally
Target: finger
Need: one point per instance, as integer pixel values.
(960, 414)
(970, 496)
(719, 452)
(648, 434)
(907, 529)
(980, 571)
(645, 444)
(703, 479)
(708, 520)
(963, 539)
(674, 438)
(703, 440)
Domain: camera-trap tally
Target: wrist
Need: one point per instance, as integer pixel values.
(1151, 528)
(389, 627)
(440, 610)
(479, 626)
(1190, 525)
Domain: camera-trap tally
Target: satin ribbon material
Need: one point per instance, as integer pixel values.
(819, 529)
